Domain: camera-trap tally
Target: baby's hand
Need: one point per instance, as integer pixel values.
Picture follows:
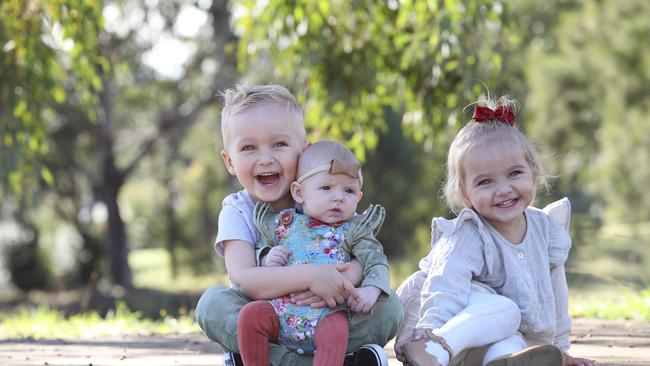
(365, 301)
(276, 257)
(575, 361)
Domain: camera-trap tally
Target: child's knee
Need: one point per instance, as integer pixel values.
(390, 310)
(510, 309)
(215, 298)
(380, 325)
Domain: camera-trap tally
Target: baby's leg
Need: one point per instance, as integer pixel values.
(331, 339)
(258, 325)
(217, 313)
(488, 318)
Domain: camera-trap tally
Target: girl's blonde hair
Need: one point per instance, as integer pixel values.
(242, 98)
(478, 132)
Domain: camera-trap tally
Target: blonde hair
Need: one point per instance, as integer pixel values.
(243, 98)
(473, 134)
(322, 153)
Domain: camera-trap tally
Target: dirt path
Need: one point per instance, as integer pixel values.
(609, 342)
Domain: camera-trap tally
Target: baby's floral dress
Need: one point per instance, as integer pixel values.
(310, 241)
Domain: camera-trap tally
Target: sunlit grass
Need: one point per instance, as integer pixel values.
(612, 305)
(151, 269)
(44, 323)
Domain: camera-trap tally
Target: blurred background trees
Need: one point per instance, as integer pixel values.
(110, 132)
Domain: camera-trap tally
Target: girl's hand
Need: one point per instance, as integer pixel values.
(418, 334)
(575, 361)
(276, 257)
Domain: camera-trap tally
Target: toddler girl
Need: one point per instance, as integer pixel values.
(497, 247)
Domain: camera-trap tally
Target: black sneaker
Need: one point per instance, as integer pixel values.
(367, 355)
(232, 359)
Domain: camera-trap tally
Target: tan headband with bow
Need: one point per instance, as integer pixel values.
(335, 167)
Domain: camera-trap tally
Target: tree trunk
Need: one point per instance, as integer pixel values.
(111, 183)
(118, 247)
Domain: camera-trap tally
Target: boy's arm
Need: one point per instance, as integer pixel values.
(256, 282)
(354, 273)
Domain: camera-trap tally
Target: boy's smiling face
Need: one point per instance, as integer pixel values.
(263, 147)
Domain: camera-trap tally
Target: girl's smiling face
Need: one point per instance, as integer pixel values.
(499, 184)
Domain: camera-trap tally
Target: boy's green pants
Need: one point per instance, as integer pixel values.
(219, 307)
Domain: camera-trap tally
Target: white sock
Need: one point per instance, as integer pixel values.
(436, 350)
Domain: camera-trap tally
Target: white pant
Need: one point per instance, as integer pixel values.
(489, 319)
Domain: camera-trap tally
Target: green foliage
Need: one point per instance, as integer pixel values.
(349, 60)
(369, 73)
(389, 79)
(28, 266)
(45, 323)
(399, 179)
(589, 104)
(42, 42)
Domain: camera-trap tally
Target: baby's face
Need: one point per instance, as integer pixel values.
(330, 198)
(263, 149)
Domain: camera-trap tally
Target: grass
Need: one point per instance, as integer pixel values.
(151, 269)
(45, 323)
(612, 305)
(609, 277)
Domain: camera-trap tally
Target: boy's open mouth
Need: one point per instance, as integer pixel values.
(268, 178)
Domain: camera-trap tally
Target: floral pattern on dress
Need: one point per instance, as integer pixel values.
(309, 241)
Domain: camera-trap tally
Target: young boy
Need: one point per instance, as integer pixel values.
(323, 229)
(263, 135)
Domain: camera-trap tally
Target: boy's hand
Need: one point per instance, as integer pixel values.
(276, 257)
(365, 301)
(327, 283)
(354, 272)
(574, 361)
(304, 298)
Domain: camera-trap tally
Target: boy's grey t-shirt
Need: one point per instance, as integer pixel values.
(236, 221)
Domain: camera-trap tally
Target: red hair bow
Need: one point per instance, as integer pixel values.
(501, 113)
